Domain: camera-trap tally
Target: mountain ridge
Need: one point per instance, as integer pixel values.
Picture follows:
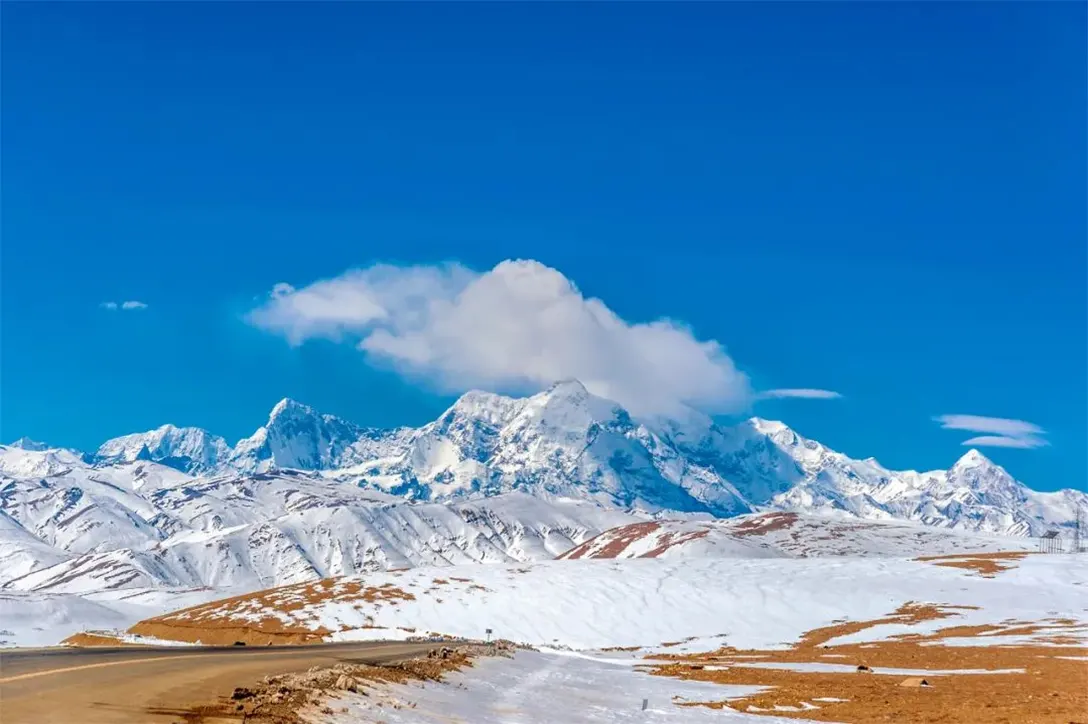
(566, 443)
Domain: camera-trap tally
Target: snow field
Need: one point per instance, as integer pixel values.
(694, 605)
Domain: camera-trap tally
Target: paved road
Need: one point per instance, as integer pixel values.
(155, 684)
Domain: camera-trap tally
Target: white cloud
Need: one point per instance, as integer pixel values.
(997, 425)
(282, 289)
(520, 326)
(803, 393)
(1000, 431)
(126, 306)
(1025, 443)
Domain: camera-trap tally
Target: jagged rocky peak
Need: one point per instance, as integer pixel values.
(287, 409)
(297, 436)
(189, 449)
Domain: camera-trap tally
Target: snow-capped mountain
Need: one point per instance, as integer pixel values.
(561, 443)
(25, 443)
(493, 478)
(189, 449)
(297, 436)
(975, 494)
(142, 524)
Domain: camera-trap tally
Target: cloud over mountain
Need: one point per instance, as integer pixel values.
(518, 327)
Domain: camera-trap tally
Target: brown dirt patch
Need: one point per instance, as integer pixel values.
(90, 638)
(985, 564)
(766, 523)
(673, 538)
(618, 541)
(1050, 691)
(252, 618)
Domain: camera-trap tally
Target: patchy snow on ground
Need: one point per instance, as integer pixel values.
(818, 667)
(674, 606)
(543, 687)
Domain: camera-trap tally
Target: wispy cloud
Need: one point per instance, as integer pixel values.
(1025, 443)
(1000, 431)
(802, 393)
(129, 306)
(520, 325)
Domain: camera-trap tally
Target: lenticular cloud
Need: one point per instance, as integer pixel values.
(997, 431)
(518, 327)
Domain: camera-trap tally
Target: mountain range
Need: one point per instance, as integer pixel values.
(494, 478)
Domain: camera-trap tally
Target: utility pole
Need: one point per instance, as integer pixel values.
(1076, 531)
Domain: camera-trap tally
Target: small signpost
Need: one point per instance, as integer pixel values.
(488, 632)
(645, 703)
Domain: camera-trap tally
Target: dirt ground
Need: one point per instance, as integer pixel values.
(1051, 689)
(987, 565)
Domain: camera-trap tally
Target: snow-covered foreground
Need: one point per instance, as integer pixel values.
(538, 687)
(46, 619)
(78, 592)
(593, 604)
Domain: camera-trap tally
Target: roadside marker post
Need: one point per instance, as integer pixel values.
(488, 632)
(645, 703)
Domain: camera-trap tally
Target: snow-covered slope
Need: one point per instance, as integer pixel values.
(76, 528)
(46, 619)
(587, 604)
(771, 535)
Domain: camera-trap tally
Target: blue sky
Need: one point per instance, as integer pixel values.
(882, 200)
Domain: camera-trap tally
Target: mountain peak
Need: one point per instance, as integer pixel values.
(25, 443)
(567, 388)
(485, 405)
(289, 407)
(191, 450)
(768, 427)
(973, 459)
